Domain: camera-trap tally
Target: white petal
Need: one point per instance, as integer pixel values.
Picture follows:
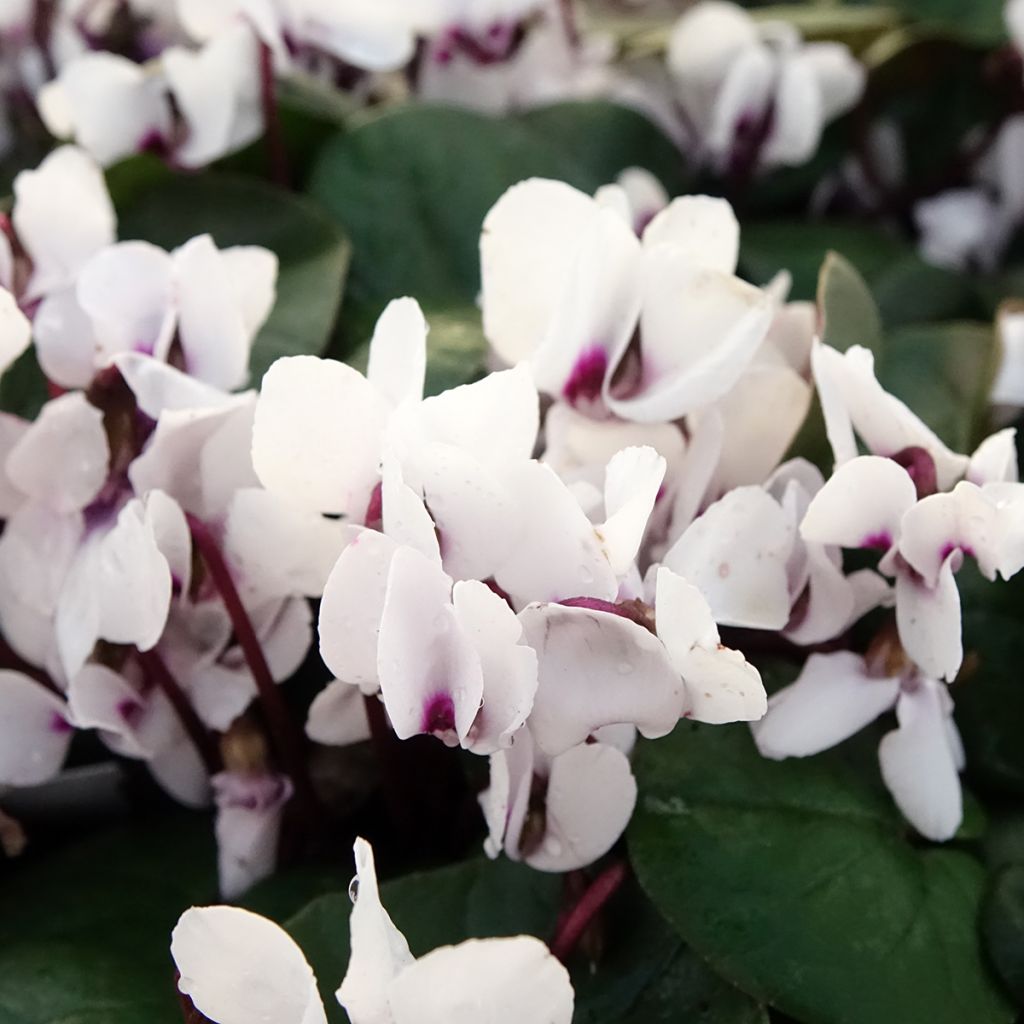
(62, 459)
(37, 549)
(798, 116)
(248, 827)
(127, 291)
(702, 228)
(590, 798)
(404, 515)
(502, 981)
(556, 554)
(215, 338)
(941, 523)
(861, 506)
(509, 667)
(15, 330)
(833, 698)
(840, 76)
(379, 950)
(111, 105)
(337, 716)
(928, 619)
(252, 276)
(352, 606)
(831, 602)
(398, 352)
(309, 415)
(216, 91)
(62, 215)
(698, 330)
(995, 459)
(34, 731)
(736, 555)
(597, 668)
(237, 967)
(430, 675)
(181, 772)
(12, 429)
(632, 482)
(159, 388)
(66, 345)
(919, 764)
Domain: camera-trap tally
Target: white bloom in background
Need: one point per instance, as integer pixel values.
(754, 93)
(1008, 387)
(35, 730)
(566, 283)
(836, 695)
(236, 966)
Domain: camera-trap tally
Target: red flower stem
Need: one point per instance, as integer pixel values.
(288, 741)
(576, 922)
(273, 134)
(159, 674)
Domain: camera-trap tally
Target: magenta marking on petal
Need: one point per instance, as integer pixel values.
(587, 376)
(374, 517)
(880, 541)
(439, 714)
(130, 711)
(952, 546)
(920, 467)
(636, 611)
(59, 724)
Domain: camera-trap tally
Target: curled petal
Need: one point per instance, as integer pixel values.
(919, 763)
(596, 668)
(379, 950)
(862, 505)
(632, 482)
(398, 352)
(833, 698)
(928, 619)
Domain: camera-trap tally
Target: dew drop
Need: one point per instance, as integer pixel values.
(353, 889)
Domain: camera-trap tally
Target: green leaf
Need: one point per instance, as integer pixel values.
(85, 932)
(911, 291)
(23, 388)
(979, 22)
(847, 310)
(312, 251)
(944, 373)
(643, 968)
(412, 187)
(1003, 925)
(795, 880)
(770, 246)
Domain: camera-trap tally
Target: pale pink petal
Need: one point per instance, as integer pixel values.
(702, 228)
(66, 346)
(15, 330)
(995, 459)
(632, 481)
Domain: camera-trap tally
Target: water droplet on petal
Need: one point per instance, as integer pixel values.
(353, 889)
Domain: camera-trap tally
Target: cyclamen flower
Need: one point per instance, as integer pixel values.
(755, 94)
(235, 965)
(836, 695)
(566, 283)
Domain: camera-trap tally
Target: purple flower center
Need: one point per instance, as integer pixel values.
(920, 467)
(130, 712)
(587, 376)
(439, 714)
(59, 724)
(880, 541)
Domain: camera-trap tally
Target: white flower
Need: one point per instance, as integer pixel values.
(836, 695)
(566, 283)
(755, 94)
(35, 730)
(235, 966)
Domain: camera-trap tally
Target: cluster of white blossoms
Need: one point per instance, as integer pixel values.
(237, 967)
(534, 567)
(197, 80)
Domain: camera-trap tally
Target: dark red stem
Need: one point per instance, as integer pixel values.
(160, 675)
(576, 922)
(288, 741)
(273, 133)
